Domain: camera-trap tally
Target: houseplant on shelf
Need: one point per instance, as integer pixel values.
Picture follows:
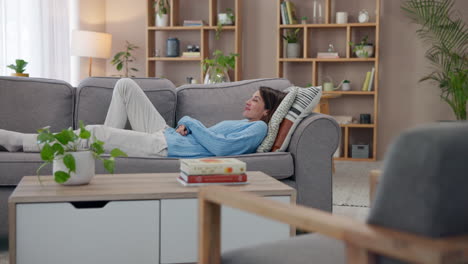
(162, 11)
(19, 68)
(73, 165)
(217, 68)
(224, 19)
(364, 49)
(293, 48)
(447, 35)
(123, 58)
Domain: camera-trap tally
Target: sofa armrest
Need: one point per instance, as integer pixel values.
(312, 146)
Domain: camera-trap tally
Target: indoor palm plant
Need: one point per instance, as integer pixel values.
(293, 49)
(217, 68)
(19, 68)
(448, 37)
(73, 165)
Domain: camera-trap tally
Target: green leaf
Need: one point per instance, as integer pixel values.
(109, 165)
(69, 162)
(47, 152)
(117, 153)
(97, 147)
(45, 137)
(119, 66)
(63, 137)
(58, 149)
(61, 176)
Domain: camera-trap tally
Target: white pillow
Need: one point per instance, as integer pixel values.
(276, 120)
(304, 103)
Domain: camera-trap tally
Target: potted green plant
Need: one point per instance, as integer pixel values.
(304, 20)
(70, 164)
(447, 35)
(293, 48)
(226, 18)
(19, 68)
(122, 59)
(162, 10)
(364, 49)
(217, 68)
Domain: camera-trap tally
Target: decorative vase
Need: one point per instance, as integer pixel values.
(162, 20)
(224, 19)
(293, 50)
(216, 77)
(366, 50)
(85, 169)
(172, 47)
(20, 74)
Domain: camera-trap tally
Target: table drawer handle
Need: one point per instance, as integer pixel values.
(89, 204)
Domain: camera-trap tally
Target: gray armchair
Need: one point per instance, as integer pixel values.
(419, 214)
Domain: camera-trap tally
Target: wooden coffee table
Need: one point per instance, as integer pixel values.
(128, 218)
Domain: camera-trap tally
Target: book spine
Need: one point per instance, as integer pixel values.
(366, 81)
(285, 10)
(288, 8)
(371, 81)
(283, 17)
(219, 169)
(214, 178)
(293, 13)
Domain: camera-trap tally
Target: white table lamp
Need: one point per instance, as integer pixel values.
(91, 44)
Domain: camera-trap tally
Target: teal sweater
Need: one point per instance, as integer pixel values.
(226, 138)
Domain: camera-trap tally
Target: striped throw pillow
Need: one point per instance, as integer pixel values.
(276, 120)
(305, 102)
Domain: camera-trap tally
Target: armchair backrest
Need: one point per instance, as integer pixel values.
(424, 184)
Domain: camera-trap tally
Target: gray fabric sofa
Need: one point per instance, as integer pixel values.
(30, 103)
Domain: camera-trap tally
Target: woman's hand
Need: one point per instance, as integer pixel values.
(181, 129)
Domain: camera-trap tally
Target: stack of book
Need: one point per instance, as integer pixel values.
(369, 81)
(191, 54)
(328, 55)
(208, 171)
(193, 23)
(288, 13)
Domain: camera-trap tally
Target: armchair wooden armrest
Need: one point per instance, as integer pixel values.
(362, 240)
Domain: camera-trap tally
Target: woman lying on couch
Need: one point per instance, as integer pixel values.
(151, 136)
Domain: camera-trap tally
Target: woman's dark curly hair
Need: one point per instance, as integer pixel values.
(272, 99)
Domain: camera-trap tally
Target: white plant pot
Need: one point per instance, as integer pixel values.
(224, 19)
(85, 170)
(162, 20)
(362, 53)
(293, 50)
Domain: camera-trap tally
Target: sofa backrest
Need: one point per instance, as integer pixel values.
(27, 104)
(93, 96)
(217, 102)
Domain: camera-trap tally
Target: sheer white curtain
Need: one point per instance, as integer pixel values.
(37, 31)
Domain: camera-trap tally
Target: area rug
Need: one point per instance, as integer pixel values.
(351, 183)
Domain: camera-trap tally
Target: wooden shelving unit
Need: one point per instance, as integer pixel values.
(348, 130)
(175, 21)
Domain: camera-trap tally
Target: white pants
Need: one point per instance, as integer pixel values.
(128, 102)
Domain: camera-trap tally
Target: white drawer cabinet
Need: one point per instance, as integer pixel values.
(179, 229)
(117, 232)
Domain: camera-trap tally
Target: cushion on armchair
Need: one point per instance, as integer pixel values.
(305, 102)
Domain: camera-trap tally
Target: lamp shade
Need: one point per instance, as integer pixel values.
(91, 44)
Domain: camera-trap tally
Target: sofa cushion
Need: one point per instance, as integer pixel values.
(214, 103)
(311, 248)
(13, 166)
(93, 97)
(304, 103)
(27, 104)
(276, 119)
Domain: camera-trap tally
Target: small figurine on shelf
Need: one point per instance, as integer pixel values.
(331, 48)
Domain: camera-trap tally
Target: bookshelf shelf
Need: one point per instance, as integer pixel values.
(315, 38)
(203, 36)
